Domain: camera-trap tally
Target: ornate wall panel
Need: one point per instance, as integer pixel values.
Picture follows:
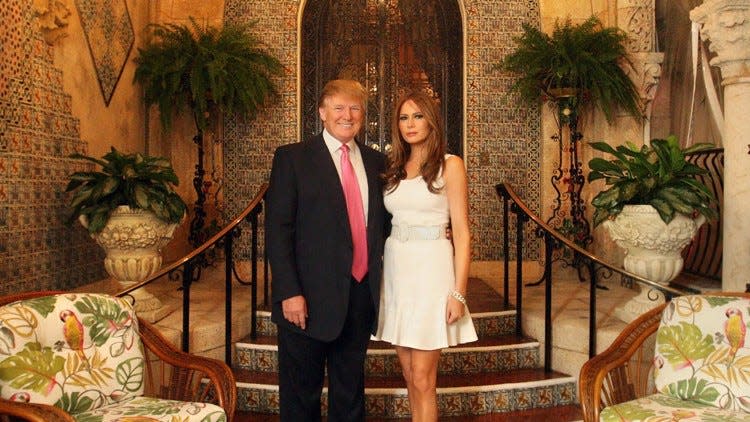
(37, 133)
(502, 139)
(109, 34)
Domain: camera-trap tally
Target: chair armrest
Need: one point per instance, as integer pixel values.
(219, 374)
(608, 377)
(34, 412)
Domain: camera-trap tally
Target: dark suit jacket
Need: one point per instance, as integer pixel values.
(308, 239)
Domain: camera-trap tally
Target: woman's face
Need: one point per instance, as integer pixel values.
(412, 123)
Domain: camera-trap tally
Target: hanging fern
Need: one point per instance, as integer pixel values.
(205, 70)
(585, 57)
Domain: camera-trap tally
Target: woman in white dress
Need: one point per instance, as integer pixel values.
(423, 306)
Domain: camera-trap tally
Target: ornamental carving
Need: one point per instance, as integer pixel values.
(646, 73)
(52, 16)
(129, 229)
(636, 18)
(726, 24)
(639, 226)
(132, 240)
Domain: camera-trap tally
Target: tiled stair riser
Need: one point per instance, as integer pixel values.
(385, 403)
(393, 402)
(453, 361)
(487, 324)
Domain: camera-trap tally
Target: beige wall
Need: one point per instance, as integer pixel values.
(121, 124)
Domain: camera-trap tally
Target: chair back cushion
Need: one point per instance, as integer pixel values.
(75, 351)
(701, 351)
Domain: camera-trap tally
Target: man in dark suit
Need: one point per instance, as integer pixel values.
(324, 308)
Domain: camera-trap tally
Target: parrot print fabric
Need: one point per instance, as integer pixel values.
(82, 353)
(701, 364)
(74, 351)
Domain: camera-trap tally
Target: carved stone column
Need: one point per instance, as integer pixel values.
(726, 24)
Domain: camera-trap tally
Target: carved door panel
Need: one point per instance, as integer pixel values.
(388, 46)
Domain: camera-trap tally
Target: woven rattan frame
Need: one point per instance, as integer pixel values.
(616, 375)
(170, 374)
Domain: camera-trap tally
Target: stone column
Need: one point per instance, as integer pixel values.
(726, 24)
(637, 19)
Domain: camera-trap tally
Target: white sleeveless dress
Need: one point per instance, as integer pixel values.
(418, 272)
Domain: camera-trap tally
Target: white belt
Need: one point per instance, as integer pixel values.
(405, 232)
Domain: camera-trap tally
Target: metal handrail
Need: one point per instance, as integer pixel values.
(190, 268)
(553, 239)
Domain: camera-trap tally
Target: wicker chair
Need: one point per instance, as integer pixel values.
(626, 370)
(169, 374)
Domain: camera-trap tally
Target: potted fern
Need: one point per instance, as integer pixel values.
(653, 204)
(208, 71)
(578, 63)
(130, 208)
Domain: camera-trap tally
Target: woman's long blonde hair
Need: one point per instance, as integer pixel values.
(401, 150)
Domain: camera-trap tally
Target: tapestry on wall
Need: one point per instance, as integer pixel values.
(110, 37)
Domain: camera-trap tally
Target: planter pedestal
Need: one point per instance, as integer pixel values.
(132, 240)
(653, 251)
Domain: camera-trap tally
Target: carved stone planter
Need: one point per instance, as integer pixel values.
(653, 250)
(132, 240)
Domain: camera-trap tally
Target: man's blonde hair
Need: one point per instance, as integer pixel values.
(343, 87)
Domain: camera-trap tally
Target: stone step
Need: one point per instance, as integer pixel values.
(502, 354)
(555, 413)
(490, 392)
(494, 323)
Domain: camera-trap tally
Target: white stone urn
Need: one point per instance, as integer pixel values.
(133, 240)
(653, 250)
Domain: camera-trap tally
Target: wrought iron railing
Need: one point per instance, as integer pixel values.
(704, 254)
(189, 268)
(553, 240)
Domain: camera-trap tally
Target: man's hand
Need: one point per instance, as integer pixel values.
(295, 310)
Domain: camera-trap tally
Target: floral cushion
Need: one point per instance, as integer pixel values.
(667, 408)
(701, 351)
(75, 351)
(155, 410)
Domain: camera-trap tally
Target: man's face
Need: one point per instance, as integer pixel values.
(342, 116)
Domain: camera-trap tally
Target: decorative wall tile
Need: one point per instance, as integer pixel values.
(37, 133)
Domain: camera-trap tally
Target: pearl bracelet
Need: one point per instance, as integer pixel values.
(459, 297)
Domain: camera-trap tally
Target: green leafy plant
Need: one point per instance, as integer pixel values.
(584, 59)
(656, 175)
(205, 70)
(136, 180)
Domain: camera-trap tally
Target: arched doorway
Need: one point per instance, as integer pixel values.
(387, 45)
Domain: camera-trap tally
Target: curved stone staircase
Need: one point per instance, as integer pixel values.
(500, 373)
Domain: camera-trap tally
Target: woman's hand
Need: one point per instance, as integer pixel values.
(454, 310)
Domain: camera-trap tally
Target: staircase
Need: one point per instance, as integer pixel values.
(499, 373)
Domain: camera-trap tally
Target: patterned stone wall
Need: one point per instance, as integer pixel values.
(502, 140)
(37, 133)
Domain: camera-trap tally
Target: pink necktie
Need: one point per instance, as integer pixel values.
(356, 214)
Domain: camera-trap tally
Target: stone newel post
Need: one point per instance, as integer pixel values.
(726, 24)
